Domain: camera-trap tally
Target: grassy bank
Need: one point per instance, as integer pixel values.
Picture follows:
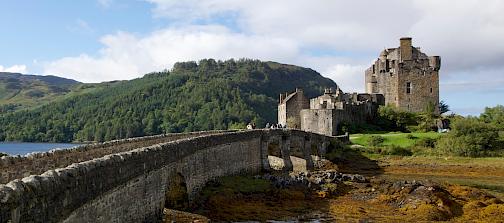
(485, 172)
(394, 138)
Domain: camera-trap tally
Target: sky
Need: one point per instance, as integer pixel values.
(103, 40)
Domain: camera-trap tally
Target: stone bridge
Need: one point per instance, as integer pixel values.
(133, 180)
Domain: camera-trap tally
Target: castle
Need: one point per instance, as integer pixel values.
(327, 113)
(403, 77)
(407, 78)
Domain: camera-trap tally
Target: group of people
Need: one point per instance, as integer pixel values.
(275, 126)
(252, 125)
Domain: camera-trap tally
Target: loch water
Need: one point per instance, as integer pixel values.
(23, 148)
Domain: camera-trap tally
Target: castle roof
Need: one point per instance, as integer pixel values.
(290, 96)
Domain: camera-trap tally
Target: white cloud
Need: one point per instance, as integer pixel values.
(14, 69)
(466, 35)
(349, 77)
(339, 24)
(126, 56)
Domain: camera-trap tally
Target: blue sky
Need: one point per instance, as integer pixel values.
(48, 30)
(102, 40)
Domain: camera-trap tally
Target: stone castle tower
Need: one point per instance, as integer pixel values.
(407, 78)
(289, 107)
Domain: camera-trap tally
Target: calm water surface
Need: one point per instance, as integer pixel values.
(22, 148)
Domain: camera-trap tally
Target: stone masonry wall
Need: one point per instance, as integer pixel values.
(318, 120)
(130, 186)
(18, 167)
(146, 193)
(408, 78)
(424, 86)
(328, 121)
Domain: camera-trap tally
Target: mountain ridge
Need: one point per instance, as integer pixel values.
(21, 91)
(192, 96)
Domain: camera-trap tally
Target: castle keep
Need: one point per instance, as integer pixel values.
(403, 77)
(407, 78)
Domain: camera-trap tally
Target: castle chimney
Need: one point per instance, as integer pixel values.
(282, 97)
(327, 91)
(406, 48)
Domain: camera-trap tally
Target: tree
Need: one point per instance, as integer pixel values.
(392, 118)
(427, 118)
(443, 107)
(191, 97)
(494, 115)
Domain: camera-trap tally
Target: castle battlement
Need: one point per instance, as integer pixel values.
(325, 114)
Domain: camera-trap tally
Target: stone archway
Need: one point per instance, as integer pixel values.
(176, 196)
(300, 153)
(274, 154)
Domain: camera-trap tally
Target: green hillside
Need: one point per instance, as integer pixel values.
(19, 91)
(191, 97)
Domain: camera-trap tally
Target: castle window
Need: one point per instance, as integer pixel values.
(373, 68)
(408, 87)
(431, 90)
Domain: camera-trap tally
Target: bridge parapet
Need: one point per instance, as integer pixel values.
(134, 185)
(17, 167)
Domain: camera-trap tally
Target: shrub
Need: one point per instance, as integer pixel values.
(237, 125)
(392, 118)
(423, 151)
(426, 142)
(410, 136)
(357, 128)
(3, 154)
(470, 137)
(426, 123)
(396, 150)
(494, 115)
(375, 140)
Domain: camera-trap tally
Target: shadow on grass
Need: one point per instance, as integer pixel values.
(352, 161)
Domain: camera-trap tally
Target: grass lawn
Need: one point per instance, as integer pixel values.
(394, 138)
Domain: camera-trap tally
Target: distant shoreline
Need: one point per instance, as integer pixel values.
(24, 148)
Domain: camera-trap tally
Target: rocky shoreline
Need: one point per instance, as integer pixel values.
(329, 195)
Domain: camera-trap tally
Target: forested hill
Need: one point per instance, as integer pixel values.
(191, 97)
(18, 91)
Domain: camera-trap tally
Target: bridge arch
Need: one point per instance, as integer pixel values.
(176, 196)
(133, 185)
